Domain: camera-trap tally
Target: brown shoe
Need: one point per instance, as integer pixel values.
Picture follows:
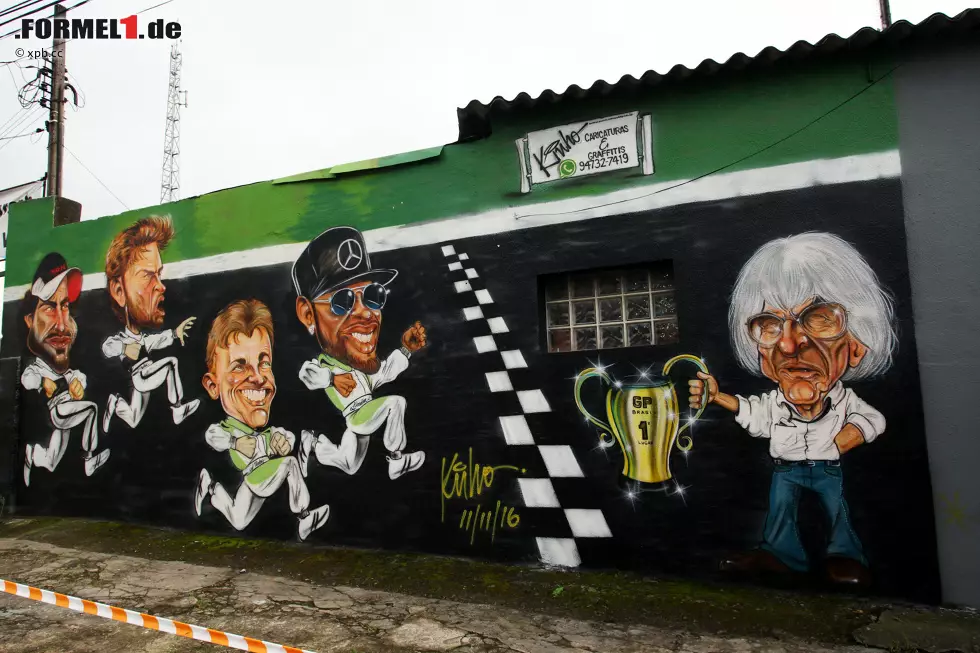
(755, 560)
(847, 571)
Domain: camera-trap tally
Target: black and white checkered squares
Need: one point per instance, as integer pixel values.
(551, 461)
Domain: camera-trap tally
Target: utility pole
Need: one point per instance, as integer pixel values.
(56, 116)
(170, 178)
(886, 14)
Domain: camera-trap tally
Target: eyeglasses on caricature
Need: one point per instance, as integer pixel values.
(820, 320)
(373, 296)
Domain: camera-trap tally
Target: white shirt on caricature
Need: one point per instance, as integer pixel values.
(37, 370)
(114, 346)
(792, 438)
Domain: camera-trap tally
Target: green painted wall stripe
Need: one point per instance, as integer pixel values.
(368, 164)
(697, 128)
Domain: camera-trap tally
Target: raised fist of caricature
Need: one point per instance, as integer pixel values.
(183, 328)
(279, 443)
(414, 338)
(49, 387)
(76, 389)
(245, 445)
(344, 383)
(132, 350)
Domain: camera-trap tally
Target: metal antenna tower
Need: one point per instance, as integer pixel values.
(170, 178)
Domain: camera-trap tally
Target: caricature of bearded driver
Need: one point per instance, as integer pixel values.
(339, 298)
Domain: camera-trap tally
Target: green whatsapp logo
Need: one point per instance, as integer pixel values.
(567, 168)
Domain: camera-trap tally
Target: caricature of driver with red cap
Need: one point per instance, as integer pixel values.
(51, 332)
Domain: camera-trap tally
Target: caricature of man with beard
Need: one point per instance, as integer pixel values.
(339, 298)
(51, 334)
(133, 273)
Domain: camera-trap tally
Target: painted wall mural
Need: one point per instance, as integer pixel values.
(133, 272)
(807, 313)
(239, 361)
(622, 443)
(51, 333)
(339, 298)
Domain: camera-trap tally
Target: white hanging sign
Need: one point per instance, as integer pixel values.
(587, 147)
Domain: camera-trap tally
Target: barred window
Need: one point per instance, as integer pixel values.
(609, 309)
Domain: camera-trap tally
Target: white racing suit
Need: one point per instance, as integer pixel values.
(66, 413)
(364, 413)
(263, 473)
(147, 375)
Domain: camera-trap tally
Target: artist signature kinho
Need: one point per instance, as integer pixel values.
(552, 155)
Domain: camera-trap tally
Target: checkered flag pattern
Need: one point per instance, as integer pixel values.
(549, 466)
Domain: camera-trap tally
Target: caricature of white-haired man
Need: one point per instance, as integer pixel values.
(808, 313)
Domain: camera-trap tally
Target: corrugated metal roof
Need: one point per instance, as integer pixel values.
(474, 118)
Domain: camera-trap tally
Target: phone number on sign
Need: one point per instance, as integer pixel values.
(604, 162)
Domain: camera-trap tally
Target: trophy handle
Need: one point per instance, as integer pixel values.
(606, 438)
(704, 368)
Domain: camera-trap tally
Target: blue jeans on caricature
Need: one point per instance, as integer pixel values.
(782, 538)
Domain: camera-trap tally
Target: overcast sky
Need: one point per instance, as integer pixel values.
(277, 88)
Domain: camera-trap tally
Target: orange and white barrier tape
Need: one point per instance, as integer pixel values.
(145, 620)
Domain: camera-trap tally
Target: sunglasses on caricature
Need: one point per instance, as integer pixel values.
(373, 296)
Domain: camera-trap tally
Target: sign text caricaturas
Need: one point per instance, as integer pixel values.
(586, 147)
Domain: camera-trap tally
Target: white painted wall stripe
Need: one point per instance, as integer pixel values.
(497, 325)
(513, 359)
(499, 381)
(516, 430)
(560, 461)
(790, 176)
(560, 551)
(533, 401)
(587, 523)
(484, 344)
(539, 493)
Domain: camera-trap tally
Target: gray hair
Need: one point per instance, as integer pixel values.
(788, 271)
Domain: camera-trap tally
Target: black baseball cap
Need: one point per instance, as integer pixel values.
(50, 273)
(334, 259)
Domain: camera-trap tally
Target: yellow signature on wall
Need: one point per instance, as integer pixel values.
(464, 479)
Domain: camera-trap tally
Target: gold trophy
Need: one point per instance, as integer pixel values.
(643, 419)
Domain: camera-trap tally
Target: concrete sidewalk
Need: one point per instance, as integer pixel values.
(328, 599)
(294, 613)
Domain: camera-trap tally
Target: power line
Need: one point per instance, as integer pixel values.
(96, 177)
(10, 138)
(17, 31)
(20, 6)
(23, 131)
(27, 115)
(154, 6)
(29, 13)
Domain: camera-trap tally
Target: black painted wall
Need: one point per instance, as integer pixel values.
(152, 472)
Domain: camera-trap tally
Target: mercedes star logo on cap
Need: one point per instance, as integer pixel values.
(349, 254)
